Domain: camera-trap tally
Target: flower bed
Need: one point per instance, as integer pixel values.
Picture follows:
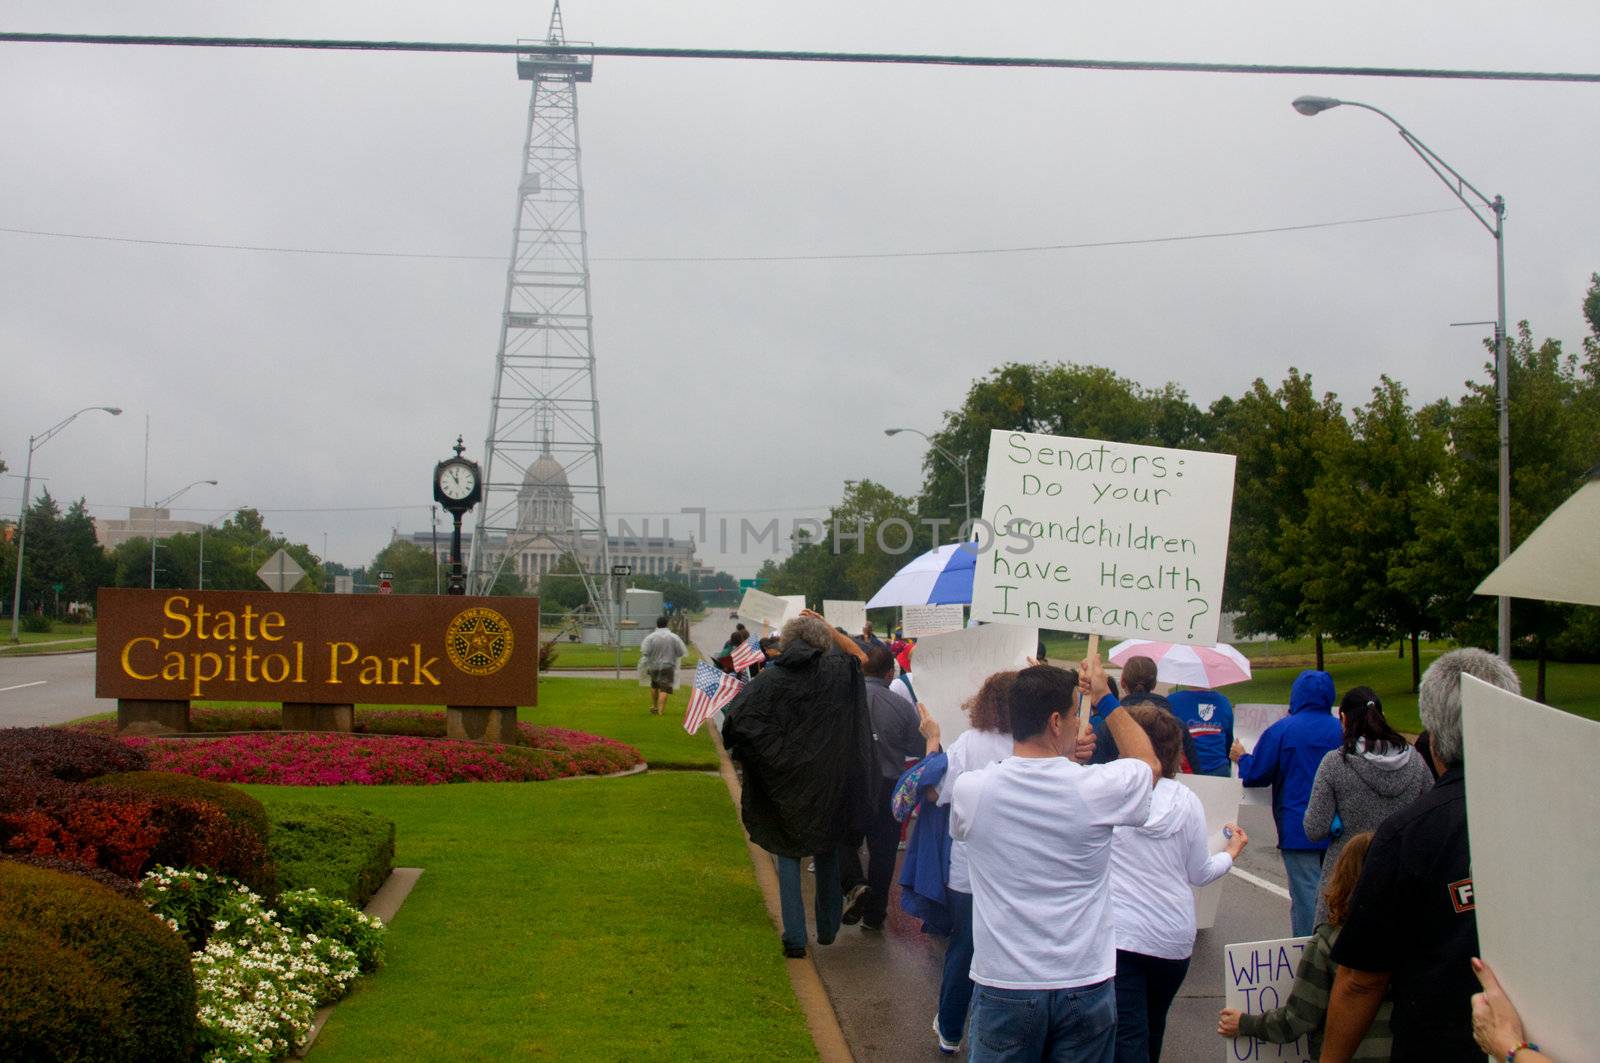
(331, 759)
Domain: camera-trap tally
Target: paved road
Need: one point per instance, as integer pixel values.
(885, 986)
(48, 688)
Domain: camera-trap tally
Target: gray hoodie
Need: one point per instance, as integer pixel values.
(1362, 789)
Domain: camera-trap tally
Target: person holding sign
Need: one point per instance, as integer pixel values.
(1038, 829)
(1152, 867)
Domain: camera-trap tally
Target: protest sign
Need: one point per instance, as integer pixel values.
(951, 667)
(1220, 798)
(1257, 977)
(1112, 538)
(796, 602)
(1248, 723)
(768, 610)
(852, 616)
(1529, 807)
(917, 621)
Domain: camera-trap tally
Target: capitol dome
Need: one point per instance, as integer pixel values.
(544, 504)
(546, 472)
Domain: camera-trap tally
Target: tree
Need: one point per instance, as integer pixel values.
(676, 593)
(1276, 437)
(868, 536)
(412, 567)
(561, 589)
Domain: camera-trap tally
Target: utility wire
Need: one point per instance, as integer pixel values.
(825, 257)
(891, 58)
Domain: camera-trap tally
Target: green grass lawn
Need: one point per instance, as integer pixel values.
(82, 636)
(621, 710)
(613, 919)
(582, 655)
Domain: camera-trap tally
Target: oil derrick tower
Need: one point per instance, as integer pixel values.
(543, 474)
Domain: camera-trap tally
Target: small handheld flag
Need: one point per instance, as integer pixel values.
(712, 690)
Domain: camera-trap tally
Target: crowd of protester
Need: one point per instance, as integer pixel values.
(1058, 860)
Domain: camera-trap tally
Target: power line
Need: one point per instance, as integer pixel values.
(821, 257)
(882, 58)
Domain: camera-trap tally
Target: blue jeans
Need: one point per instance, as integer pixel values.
(1146, 986)
(955, 987)
(1304, 868)
(792, 902)
(1035, 1025)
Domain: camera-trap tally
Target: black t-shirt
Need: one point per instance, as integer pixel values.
(1412, 915)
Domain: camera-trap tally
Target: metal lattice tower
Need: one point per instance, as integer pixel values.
(545, 410)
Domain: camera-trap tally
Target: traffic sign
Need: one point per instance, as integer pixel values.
(385, 587)
(281, 572)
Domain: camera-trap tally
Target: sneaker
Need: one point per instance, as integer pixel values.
(854, 902)
(876, 928)
(812, 867)
(794, 952)
(947, 1047)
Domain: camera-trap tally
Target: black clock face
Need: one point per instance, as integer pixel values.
(457, 481)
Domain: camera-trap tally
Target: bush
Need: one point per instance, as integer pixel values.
(111, 950)
(118, 884)
(339, 852)
(237, 805)
(309, 912)
(69, 755)
(36, 623)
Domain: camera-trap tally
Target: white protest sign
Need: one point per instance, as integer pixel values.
(1108, 538)
(796, 602)
(852, 616)
(770, 610)
(917, 621)
(1257, 977)
(1530, 804)
(1248, 723)
(1220, 798)
(951, 667)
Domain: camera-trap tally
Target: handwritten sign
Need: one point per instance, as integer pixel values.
(769, 610)
(1114, 538)
(852, 616)
(951, 667)
(1219, 798)
(1533, 887)
(917, 621)
(1248, 723)
(1256, 978)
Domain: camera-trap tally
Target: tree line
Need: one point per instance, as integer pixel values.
(1369, 524)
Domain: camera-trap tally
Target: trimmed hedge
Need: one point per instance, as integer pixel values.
(237, 805)
(339, 852)
(126, 887)
(71, 756)
(88, 975)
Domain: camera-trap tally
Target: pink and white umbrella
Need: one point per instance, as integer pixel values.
(1185, 665)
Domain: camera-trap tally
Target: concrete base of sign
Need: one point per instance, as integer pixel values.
(137, 717)
(298, 716)
(478, 724)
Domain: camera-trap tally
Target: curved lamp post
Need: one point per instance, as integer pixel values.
(960, 463)
(34, 443)
(1491, 214)
(158, 505)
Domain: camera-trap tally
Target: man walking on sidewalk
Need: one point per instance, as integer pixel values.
(659, 655)
(1038, 829)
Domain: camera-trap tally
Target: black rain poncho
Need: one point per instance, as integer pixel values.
(801, 732)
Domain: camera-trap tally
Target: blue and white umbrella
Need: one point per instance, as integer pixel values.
(942, 576)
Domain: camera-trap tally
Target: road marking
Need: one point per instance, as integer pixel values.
(1254, 880)
(20, 686)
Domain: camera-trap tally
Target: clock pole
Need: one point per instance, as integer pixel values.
(457, 486)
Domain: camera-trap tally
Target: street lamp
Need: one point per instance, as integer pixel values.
(34, 443)
(1491, 214)
(158, 505)
(960, 463)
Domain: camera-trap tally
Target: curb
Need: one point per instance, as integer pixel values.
(385, 904)
(821, 1019)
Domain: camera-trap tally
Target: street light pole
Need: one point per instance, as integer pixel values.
(960, 463)
(1484, 209)
(34, 443)
(153, 509)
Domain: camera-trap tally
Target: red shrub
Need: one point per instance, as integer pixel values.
(70, 755)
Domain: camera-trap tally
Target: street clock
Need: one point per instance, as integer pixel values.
(457, 486)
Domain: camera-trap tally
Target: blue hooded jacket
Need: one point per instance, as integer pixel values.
(1287, 755)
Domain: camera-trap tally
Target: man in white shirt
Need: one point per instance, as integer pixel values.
(659, 654)
(1038, 828)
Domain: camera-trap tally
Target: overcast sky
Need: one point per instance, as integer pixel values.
(321, 388)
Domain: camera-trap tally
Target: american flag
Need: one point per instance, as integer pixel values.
(748, 654)
(712, 690)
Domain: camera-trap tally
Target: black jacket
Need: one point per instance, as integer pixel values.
(801, 732)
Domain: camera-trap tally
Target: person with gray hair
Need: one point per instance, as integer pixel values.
(1412, 930)
(801, 732)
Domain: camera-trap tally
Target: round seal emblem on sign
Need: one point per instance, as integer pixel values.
(478, 641)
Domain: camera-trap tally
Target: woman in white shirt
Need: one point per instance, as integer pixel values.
(1152, 906)
(987, 741)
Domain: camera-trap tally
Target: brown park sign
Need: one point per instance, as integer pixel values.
(316, 649)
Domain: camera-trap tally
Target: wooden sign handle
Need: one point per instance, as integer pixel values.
(1084, 707)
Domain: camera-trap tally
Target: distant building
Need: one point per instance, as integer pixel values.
(544, 530)
(142, 523)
